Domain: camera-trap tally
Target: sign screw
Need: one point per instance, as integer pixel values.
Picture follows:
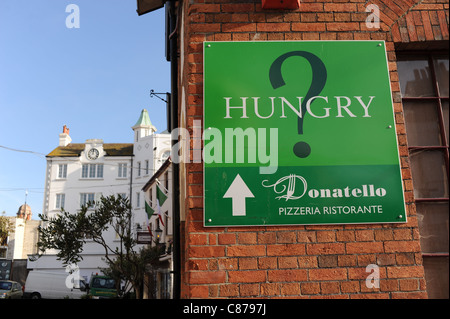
(209, 45)
(400, 216)
(210, 220)
(389, 126)
(379, 44)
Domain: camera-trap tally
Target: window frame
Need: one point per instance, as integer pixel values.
(92, 171)
(438, 99)
(62, 171)
(443, 148)
(60, 201)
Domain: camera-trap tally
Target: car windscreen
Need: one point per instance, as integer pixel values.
(105, 283)
(4, 285)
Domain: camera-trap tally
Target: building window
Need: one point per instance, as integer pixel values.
(86, 198)
(60, 201)
(62, 171)
(139, 169)
(425, 95)
(92, 171)
(138, 199)
(99, 170)
(122, 170)
(166, 180)
(146, 167)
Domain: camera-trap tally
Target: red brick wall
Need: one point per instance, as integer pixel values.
(300, 261)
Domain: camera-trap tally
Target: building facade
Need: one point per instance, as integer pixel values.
(78, 173)
(326, 261)
(159, 281)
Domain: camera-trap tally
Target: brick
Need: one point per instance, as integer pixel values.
(340, 7)
(286, 237)
(267, 238)
(239, 27)
(227, 239)
(246, 250)
(228, 263)
(350, 286)
(249, 290)
(409, 295)
(383, 234)
(205, 27)
(290, 289)
(328, 274)
(346, 260)
(326, 236)
(229, 290)
(370, 296)
(247, 238)
(238, 7)
(311, 7)
(207, 251)
(267, 263)
(328, 261)
(345, 235)
(326, 249)
(199, 292)
(286, 275)
(343, 26)
(207, 277)
(409, 284)
(248, 263)
(285, 250)
(270, 289)
(364, 248)
(273, 27)
(330, 287)
(318, 26)
(288, 262)
(247, 276)
(194, 8)
(405, 272)
(401, 246)
(197, 264)
(307, 262)
(364, 235)
(427, 26)
(310, 288)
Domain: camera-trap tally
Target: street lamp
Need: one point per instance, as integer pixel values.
(158, 232)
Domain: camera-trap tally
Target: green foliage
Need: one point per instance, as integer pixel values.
(68, 233)
(6, 228)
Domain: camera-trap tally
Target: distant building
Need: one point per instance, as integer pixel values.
(161, 230)
(21, 242)
(81, 172)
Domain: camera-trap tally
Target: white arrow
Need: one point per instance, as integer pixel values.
(238, 192)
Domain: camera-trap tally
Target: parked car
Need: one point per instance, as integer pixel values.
(10, 290)
(53, 285)
(102, 287)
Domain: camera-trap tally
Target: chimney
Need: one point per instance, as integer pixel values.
(64, 138)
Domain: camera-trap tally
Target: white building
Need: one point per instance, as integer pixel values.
(161, 226)
(80, 172)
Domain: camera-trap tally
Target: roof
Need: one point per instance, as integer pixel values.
(144, 120)
(158, 173)
(75, 149)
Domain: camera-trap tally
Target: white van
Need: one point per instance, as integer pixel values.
(53, 285)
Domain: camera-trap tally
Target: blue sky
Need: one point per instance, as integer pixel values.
(95, 79)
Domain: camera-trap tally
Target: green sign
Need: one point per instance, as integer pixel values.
(299, 133)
